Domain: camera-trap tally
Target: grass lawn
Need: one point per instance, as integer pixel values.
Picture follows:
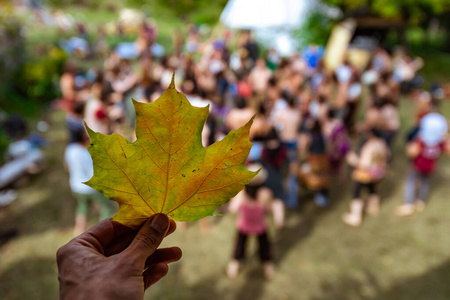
(317, 256)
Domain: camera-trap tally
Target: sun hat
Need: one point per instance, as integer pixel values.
(259, 178)
(433, 128)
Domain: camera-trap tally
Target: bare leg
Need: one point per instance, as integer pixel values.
(269, 270)
(373, 205)
(233, 269)
(80, 224)
(423, 192)
(408, 208)
(354, 217)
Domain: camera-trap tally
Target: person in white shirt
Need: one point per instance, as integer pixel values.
(80, 167)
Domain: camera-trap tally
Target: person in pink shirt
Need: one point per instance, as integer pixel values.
(252, 204)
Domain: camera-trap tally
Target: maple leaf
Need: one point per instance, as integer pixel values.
(167, 170)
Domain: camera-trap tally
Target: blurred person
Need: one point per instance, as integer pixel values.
(222, 83)
(274, 156)
(80, 166)
(101, 47)
(299, 65)
(259, 132)
(157, 91)
(111, 62)
(424, 105)
(206, 81)
(405, 72)
(369, 169)
(319, 75)
(387, 88)
(261, 126)
(244, 86)
(343, 74)
(177, 42)
(259, 76)
(384, 117)
(216, 62)
(220, 111)
(193, 38)
(67, 84)
(424, 151)
(122, 78)
(252, 204)
(389, 123)
(314, 173)
(96, 112)
(381, 61)
(240, 115)
(353, 95)
(74, 121)
(147, 37)
(275, 101)
(193, 95)
(312, 55)
(273, 59)
(339, 144)
(247, 42)
(112, 261)
(98, 83)
(286, 122)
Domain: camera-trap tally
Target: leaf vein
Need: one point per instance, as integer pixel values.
(149, 156)
(127, 178)
(186, 140)
(219, 188)
(117, 190)
(198, 187)
(151, 132)
(183, 165)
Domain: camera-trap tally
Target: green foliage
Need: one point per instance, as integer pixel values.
(91, 4)
(29, 71)
(315, 30)
(413, 11)
(197, 11)
(41, 75)
(4, 142)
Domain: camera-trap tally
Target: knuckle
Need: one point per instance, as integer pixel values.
(65, 252)
(61, 254)
(148, 239)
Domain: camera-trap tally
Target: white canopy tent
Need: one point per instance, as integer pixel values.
(271, 21)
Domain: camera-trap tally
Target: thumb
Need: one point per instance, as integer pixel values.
(148, 238)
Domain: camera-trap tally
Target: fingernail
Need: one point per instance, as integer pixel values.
(160, 222)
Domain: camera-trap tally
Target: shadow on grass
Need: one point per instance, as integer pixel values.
(33, 278)
(56, 209)
(173, 287)
(431, 285)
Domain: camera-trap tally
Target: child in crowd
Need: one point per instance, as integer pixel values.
(315, 172)
(74, 120)
(370, 168)
(79, 163)
(424, 151)
(252, 204)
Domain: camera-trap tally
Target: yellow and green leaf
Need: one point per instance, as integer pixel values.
(167, 170)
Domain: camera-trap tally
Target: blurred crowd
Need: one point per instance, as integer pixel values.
(314, 126)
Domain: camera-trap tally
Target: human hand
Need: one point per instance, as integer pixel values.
(112, 261)
(352, 159)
